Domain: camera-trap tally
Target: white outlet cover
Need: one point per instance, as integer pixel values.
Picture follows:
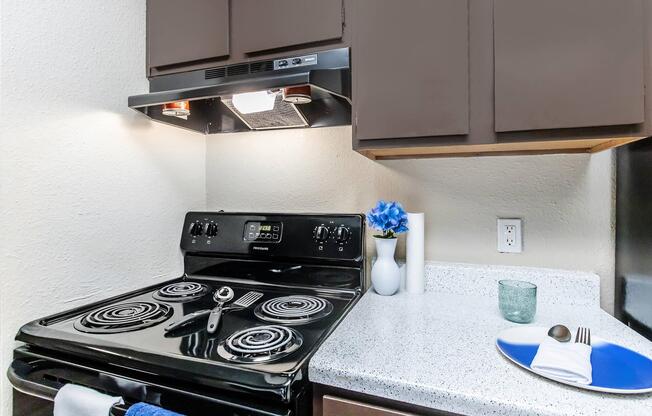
(510, 235)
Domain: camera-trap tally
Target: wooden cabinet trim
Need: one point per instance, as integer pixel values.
(497, 149)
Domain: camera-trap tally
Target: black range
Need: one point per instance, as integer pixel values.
(302, 272)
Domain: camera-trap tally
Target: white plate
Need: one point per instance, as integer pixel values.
(616, 369)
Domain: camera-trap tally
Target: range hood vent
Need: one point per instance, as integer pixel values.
(284, 115)
(209, 94)
(240, 69)
(215, 73)
(262, 66)
(235, 70)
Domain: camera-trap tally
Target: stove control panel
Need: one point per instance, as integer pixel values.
(263, 231)
(325, 237)
(338, 234)
(198, 228)
(342, 234)
(321, 233)
(212, 229)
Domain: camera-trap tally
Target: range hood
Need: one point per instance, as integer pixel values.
(309, 90)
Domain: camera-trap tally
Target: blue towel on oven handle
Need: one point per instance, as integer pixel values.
(144, 409)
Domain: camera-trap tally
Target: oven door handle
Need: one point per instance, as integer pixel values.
(18, 375)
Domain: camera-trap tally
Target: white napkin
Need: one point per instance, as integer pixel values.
(568, 361)
(73, 400)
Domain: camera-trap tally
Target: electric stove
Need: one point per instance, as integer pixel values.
(304, 272)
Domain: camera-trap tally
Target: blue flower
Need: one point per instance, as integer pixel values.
(388, 217)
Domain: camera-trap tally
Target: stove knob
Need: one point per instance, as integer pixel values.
(321, 233)
(196, 229)
(211, 230)
(342, 234)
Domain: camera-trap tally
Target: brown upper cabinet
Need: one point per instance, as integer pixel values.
(543, 76)
(443, 77)
(264, 25)
(410, 68)
(568, 63)
(198, 34)
(185, 32)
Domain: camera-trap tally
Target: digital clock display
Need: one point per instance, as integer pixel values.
(269, 232)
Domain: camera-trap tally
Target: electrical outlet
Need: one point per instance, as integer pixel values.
(510, 235)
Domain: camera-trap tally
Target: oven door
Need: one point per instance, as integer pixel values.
(37, 377)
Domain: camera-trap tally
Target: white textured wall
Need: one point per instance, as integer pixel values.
(565, 200)
(92, 195)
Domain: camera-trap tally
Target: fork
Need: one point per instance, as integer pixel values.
(245, 301)
(583, 336)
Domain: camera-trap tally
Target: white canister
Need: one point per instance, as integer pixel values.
(415, 281)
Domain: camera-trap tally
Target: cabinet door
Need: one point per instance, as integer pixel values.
(336, 406)
(410, 68)
(260, 25)
(568, 63)
(185, 31)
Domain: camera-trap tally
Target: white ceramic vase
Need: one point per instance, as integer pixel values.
(385, 274)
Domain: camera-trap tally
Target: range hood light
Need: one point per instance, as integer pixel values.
(314, 90)
(297, 95)
(180, 109)
(254, 102)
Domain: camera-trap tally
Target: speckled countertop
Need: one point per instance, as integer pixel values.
(437, 350)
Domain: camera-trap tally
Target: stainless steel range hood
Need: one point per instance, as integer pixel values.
(309, 90)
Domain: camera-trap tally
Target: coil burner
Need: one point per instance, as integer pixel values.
(181, 292)
(260, 344)
(123, 317)
(294, 310)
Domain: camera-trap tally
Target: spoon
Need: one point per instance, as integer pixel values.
(560, 333)
(221, 296)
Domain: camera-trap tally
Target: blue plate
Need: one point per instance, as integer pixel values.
(616, 369)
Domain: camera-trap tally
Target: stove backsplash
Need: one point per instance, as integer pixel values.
(314, 170)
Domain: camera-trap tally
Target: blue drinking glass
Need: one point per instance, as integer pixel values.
(517, 300)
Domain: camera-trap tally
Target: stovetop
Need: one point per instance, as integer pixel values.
(323, 281)
(191, 352)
